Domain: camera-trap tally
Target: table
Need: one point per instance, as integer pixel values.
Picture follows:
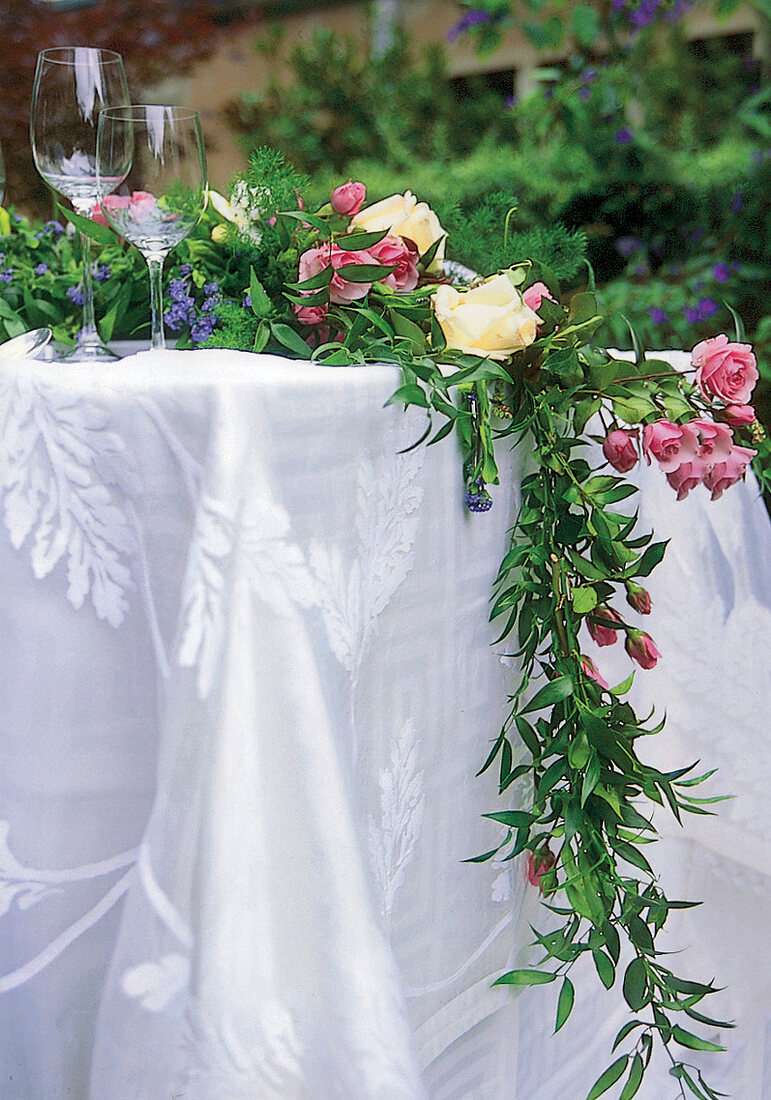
(248, 682)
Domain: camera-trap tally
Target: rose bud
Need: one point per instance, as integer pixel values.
(638, 598)
(640, 648)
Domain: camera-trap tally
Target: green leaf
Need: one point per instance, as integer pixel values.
(291, 340)
(365, 273)
(585, 24)
(634, 1080)
(358, 242)
(261, 303)
(409, 394)
(526, 977)
(516, 819)
(650, 559)
(553, 692)
(636, 984)
(315, 282)
(605, 968)
(89, 228)
(261, 337)
(693, 1042)
(309, 219)
(608, 1078)
(584, 599)
(565, 1003)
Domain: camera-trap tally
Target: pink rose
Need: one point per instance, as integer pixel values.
(738, 416)
(141, 205)
(538, 864)
(341, 291)
(670, 444)
(311, 315)
(687, 476)
(715, 440)
(638, 598)
(640, 648)
(393, 250)
(535, 294)
(725, 474)
(347, 199)
(600, 632)
(620, 449)
(590, 669)
(725, 370)
(111, 202)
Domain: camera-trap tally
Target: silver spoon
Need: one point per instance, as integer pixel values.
(26, 346)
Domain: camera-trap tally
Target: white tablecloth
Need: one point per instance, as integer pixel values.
(247, 681)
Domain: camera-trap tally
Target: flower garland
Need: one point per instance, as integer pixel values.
(501, 359)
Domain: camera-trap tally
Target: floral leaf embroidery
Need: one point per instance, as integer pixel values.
(57, 459)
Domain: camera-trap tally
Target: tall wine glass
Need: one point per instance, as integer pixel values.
(72, 85)
(158, 153)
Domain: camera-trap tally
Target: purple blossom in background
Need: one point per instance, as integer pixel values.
(510, 101)
(41, 269)
(624, 136)
(203, 328)
(7, 275)
(640, 269)
(54, 227)
(658, 316)
(721, 272)
(102, 273)
(627, 245)
(247, 302)
(182, 310)
(706, 308)
(737, 202)
(588, 75)
(691, 315)
(584, 93)
(75, 295)
(697, 234)
(477, 497)
(548, 93)
(211, 288)
(185, 269)
(472, 18)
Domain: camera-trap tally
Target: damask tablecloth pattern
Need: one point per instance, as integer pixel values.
(237, 604)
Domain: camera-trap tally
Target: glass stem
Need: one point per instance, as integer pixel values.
(155, 266)
(88, 333)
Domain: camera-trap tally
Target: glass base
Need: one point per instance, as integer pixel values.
(89, 352)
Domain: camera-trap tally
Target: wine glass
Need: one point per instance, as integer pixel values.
(158, 154)
(72, 84)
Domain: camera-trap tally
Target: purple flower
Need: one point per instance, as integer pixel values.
(658, 316)
(75, 295)
(55, 227)
(185, 269)
(721, 272)
(202, 329)
(624, 136)
(211, 288)
(7, 275)
(628, 245)
(738, 201)
(706, 307)
(588, 75)
(477, 497)
(41, 269)
(102, 273)
(510, 101)
(247, 302)
(584, 94)
(691, 315)
(472, 18)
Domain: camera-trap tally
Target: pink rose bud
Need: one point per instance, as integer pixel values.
(393, 250)
(725, 474)
(535, 294)
(738, 416)
(601, 633)
(591, 670)
(640, 648)
(347, 199)
(620, 449)
(725, 370)
(638, 598)
(715, 440)
(538, 864)
(687, 476)
(310, 315)
(670, 444)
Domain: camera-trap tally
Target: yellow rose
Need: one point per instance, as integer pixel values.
(491, 319)
(406, 217)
